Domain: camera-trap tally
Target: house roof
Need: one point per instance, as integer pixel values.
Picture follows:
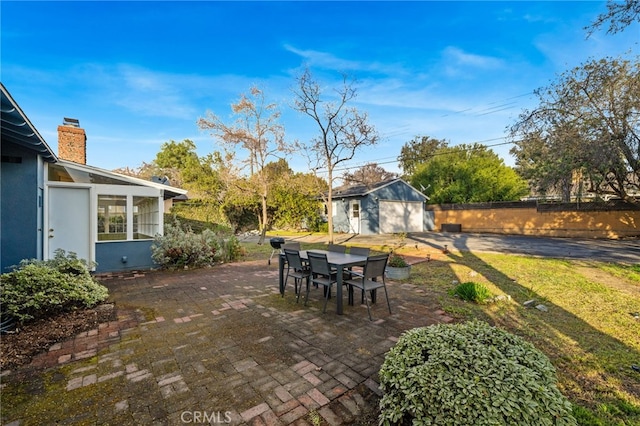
(95, 173)
(17, 129)
(362, 190)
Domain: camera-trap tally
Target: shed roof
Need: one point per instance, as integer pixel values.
(364, 189)
(17, 129)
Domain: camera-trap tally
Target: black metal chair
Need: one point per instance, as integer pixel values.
(321, 274)
(360, 251)
(298, 270)
(337, 248)
(371, 279)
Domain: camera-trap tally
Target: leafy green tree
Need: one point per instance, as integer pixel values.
(180, 164)
(294, 200)
(586, 124)
(468, 174)
(343, 130)
(418, 151)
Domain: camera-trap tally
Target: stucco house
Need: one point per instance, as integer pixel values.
(387, 207)
(52, 201)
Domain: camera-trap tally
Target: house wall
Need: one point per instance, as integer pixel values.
(109, 255)
(20, 206)
(529, 219)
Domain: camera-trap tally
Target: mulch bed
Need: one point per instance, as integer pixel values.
(19, 346)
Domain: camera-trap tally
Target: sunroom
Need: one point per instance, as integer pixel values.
(102, 216)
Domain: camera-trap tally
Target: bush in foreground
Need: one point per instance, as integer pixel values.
(469, 374)
(38, 289)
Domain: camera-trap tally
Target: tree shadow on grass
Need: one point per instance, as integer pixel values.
(574, 346)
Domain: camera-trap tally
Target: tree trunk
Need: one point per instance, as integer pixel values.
(330, 208)
(265, 220)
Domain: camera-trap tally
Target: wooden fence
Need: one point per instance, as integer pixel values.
(589, 220)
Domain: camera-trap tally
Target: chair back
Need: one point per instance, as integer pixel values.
(291, 246)
(360, 251)
(337, 248)
(293, 258)
(319, 264)
(375, 266)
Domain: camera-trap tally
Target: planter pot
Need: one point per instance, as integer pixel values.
(398, 273)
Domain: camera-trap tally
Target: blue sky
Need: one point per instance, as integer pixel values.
(138, 74)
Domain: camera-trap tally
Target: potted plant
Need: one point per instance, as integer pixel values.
(397, 268)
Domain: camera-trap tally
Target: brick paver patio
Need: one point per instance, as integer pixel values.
(220, 346)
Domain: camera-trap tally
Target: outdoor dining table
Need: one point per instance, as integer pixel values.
(339, 261)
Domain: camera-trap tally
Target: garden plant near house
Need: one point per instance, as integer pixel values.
(469, 374)
(180, 247)
(39, 289)
(397, 261)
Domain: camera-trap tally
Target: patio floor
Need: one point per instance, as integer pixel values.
(221, 345)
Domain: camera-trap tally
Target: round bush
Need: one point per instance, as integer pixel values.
(469, 374)
(41, 288)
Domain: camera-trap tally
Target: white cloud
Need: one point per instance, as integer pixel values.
(458, 61)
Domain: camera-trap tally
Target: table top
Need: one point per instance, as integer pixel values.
(338, 259)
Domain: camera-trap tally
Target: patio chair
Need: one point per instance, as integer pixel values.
(371, 279)
(337, 248)
(290, 246)
(298, 271)
(360, 251)
(321, 274)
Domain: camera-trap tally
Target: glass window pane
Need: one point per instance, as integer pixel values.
(146, 217)
(112, 217)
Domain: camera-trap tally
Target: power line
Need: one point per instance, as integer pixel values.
(470, 148)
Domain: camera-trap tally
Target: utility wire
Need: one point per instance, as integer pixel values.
(379, 162)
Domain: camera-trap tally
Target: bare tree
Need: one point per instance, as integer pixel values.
(257, 131)
(588, 121)
(619, 15)
(366, 175)
(343, 129)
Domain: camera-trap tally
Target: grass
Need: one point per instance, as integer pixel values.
(589, 332)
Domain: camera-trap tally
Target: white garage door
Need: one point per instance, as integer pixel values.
(401, 216)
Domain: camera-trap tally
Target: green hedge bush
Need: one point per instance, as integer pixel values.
(37, 289)
(469, 374)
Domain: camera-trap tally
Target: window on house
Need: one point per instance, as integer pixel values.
(355, 209)
(146, 215)
(112, 217)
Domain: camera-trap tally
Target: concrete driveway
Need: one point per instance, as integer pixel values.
(623, 251)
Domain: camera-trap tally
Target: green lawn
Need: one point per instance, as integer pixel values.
(590, 331)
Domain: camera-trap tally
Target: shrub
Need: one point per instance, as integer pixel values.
(180, 247)
(397, 261)
(472, 292)
(469, 374)
(37, 289)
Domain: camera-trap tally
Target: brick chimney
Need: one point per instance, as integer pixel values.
(72, 141)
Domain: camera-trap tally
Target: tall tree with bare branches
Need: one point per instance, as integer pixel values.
(343, 130)
(619, 15)
(257, 131)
